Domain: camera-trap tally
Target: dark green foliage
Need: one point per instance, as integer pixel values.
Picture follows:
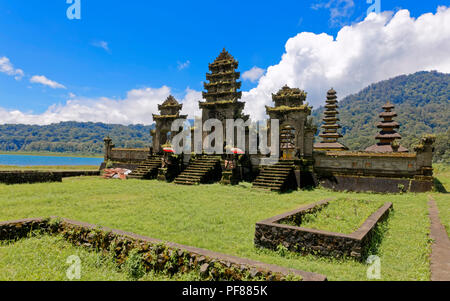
(422, 102)
(73, 137)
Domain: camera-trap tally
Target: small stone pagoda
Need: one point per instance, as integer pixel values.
(330, 127)
(387, 136)
(222, 93)
(296, 136)
(169, 111)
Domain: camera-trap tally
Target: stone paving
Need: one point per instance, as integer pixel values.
(440, 248)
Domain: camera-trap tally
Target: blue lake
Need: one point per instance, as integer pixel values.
(31, 160)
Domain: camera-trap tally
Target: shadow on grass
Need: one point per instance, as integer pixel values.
(377, 236)
(438, 186)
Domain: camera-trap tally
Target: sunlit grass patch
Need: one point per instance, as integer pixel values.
(222, 219)
(343, 215)
(47, 258)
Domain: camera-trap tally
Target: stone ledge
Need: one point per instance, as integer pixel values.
(270, 233)
(84, 234)
(37, 176)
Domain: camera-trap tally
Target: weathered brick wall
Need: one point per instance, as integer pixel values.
(359, 171)
(131, 155)
(376, 184)
(271, 233)
(30, 176)
(23, 177)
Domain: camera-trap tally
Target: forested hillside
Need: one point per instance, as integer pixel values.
(73, 137)
(422, 102)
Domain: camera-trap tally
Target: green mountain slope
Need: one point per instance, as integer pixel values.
(73, 137)
(422, 102)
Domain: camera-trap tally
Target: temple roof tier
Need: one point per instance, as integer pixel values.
(390, 124)
(331, 112)
(387, 135)
(388, 114)
(330, 135)
(330, 126)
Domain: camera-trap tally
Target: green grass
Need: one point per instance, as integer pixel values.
(44, 258)
(49, 167)
(343, 215)
(222, 218)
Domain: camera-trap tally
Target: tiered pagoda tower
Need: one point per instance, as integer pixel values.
(330, 127)
(222, 95)
(387, 136)
(170, 110)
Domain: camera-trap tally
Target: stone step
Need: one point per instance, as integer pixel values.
(197, 170)
(188, 175)
(273, 177)
(282, 168)
(265, 181)
(149, 165)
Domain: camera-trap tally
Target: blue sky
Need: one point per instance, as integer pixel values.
(118, 46)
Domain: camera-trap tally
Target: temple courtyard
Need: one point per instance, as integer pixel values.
(222, 218)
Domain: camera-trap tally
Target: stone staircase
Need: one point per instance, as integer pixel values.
(148, 169)
(276, 177)
(205, 169)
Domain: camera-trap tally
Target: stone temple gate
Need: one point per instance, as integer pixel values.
(383, 167)
(296, 133)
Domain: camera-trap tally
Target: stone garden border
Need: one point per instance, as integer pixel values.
(270, 233)
(157, 254)
(34, 176)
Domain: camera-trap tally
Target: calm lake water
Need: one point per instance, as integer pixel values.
(31, 160)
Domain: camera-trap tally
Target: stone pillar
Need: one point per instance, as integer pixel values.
(424, 155)
(108, 148)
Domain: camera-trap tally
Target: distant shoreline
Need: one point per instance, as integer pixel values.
(52, 154)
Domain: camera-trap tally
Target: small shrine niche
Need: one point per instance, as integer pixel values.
(169, 111)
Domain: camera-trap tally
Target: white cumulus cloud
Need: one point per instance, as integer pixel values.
(253, 74)
(41, 79)
(379, 47)
(137, 107)
(7, 67)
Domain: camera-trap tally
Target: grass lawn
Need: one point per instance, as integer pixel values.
(222, 218)
(343, 215)
(44, 258)
(48, 167)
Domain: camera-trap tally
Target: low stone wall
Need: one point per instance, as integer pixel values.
(128, 155)
(270, 233)
(376, 172)
(157, 255)
(340, 182)
(31, 176)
